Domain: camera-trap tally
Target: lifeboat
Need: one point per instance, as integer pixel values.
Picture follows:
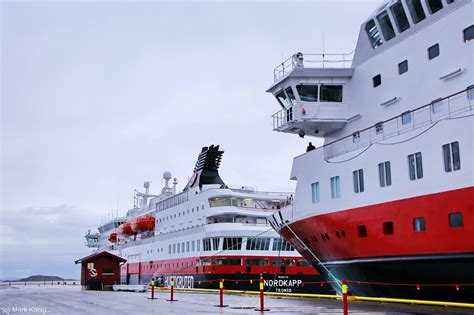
(143, 224)
(126, 228)
(113, 237)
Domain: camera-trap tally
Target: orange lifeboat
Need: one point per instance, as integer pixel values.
(143, 223)
(113, 237)
(126, 228)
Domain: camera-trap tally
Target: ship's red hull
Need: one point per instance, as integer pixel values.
(438, 256)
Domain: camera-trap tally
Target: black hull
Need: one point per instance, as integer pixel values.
(273, 283)
(423, 274)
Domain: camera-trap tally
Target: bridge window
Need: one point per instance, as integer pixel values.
(379, 128)
(403, 67)
(434, 5)
(419, 224)
(400, 16)
(283, 100)
(215, 243)
(331, 93)
(291, 95)
(455, 220)
(206, 243)
(386, 25)
(452, 158)
(315, 192)
(433, 52)
(280, 244)
(373, 33)
(385, 174)
(415, 166)
(416, 10)
(335, 187)
(307, 92)
(437, 106)
(468, 33)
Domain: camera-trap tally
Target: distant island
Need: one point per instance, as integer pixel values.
(44, 278)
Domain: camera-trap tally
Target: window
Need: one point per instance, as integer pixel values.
(415, 166)
(206, 244)
(362, 231)
(386, 25)
(169, 249)
(174, 248)
(400, 16)
(419, 224)
(403, 67)
(315, 192)
(331, 93)
(388, 228)
(179, 248)
(451, 156)
(470, 92)
(385, 175)
(282, 99)
(416, 10)
(192, 246)
(280, 244)
(437, 106)
(379, 128)
(358, 180)
(406, 118)
(215, 243)
(377, 80)
(455, 220)
(433, 51)
(291, 95)
(307, 92)
(468, 33)
(258, 243)
(232, 243)
(434, 5)
(335, 187)
(198, 245)
(373, 33)
(187, 247)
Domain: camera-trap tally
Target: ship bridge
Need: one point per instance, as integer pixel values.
(310, 89)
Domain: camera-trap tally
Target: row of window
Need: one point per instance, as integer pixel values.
(184, 247)
(451, 162)
(254, 243)
(433, 52)
(397, 13)
(310, 93)
(179, 214)
(455, 220)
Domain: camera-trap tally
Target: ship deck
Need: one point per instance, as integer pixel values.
(46, 299)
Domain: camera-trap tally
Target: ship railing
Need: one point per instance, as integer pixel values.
(421, 117)
(312, 60)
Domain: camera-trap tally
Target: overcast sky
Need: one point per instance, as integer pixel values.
(98, 97)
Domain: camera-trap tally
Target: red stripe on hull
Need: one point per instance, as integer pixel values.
(438, 238)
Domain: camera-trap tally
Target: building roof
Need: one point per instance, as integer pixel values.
(96, 255)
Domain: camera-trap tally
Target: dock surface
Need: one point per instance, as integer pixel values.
(68, 299)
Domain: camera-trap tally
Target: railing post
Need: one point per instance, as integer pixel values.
(172, 291)
(344, 296)
(262, 305)
(152, 288)
(221, 293)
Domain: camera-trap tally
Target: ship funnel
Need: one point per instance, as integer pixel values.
(206, 170)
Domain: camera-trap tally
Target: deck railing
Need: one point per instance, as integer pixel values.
(320, 60)
(424, 116)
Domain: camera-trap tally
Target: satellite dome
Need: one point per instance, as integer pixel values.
(167, 175)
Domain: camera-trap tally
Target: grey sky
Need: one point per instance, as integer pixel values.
(98, 97)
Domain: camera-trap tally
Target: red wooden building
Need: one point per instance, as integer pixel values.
(100, 271)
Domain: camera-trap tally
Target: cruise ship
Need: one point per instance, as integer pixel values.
(387, 202)
(206, 232)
